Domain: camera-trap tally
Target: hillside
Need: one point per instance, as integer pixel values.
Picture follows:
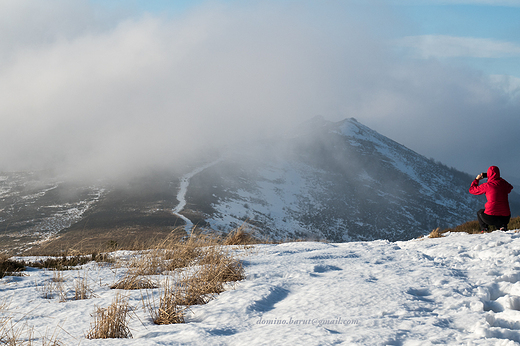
(336, 181)
(339, 181)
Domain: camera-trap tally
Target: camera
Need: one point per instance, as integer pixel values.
(484, 175)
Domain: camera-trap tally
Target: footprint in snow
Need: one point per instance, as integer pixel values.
(419, 292)
(499, 299)
(320, 268)
(267, 301)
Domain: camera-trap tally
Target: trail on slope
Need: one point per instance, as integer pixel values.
(183, 189)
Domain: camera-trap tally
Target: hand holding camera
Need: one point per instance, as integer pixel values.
(481, 176)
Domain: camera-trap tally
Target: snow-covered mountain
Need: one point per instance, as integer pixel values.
(34, 207)
(339, 181)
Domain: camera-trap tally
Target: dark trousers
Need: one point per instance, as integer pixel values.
(485, 220)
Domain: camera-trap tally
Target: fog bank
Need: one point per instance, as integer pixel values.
(97, 94)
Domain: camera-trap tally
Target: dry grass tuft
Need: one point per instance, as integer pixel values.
(57, 276)
(169, 254)
(82, 288)
(514, 223)
(8, 334)
(223, 269)
(168, 311)
(179, 256)
(172, 253)
(53, 341)
(221, 263)
(54, 287)
(134, 282)
(146, 263)
(436, 233)
(18, 333)
(209, 279)
(240, 236)
(111, 322)
(194, 292)
(473, 227)
(14, 334)
(211, 265)
(196, 289)
(185, 252)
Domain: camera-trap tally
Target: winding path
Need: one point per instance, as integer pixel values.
(183, 189)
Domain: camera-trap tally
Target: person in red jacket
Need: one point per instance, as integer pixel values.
(496, 212)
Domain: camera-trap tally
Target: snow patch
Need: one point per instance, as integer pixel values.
(457, 290)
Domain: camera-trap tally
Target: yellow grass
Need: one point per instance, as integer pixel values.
(436, 233)
(134, 282)
(168, 310)
(111, 322)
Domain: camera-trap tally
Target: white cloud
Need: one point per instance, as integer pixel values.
(443, 46)
(509, 84)
(154, 91)
(107, 98)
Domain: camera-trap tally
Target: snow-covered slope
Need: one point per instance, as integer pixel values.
(458, 290)
(34, 208)
(337, 181)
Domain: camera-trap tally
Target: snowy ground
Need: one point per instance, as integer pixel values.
(458, 290)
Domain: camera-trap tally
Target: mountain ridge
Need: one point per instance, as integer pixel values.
(337, 181)
(313, 176)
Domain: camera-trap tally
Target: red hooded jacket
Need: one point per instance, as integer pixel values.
(496, 190)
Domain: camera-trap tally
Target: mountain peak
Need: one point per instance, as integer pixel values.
(339, 181)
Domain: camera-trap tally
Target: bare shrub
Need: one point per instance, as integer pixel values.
(10, 267)
(111, 322)
(61, 262)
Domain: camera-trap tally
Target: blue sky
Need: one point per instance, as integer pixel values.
(104, 87)
(490, 21)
